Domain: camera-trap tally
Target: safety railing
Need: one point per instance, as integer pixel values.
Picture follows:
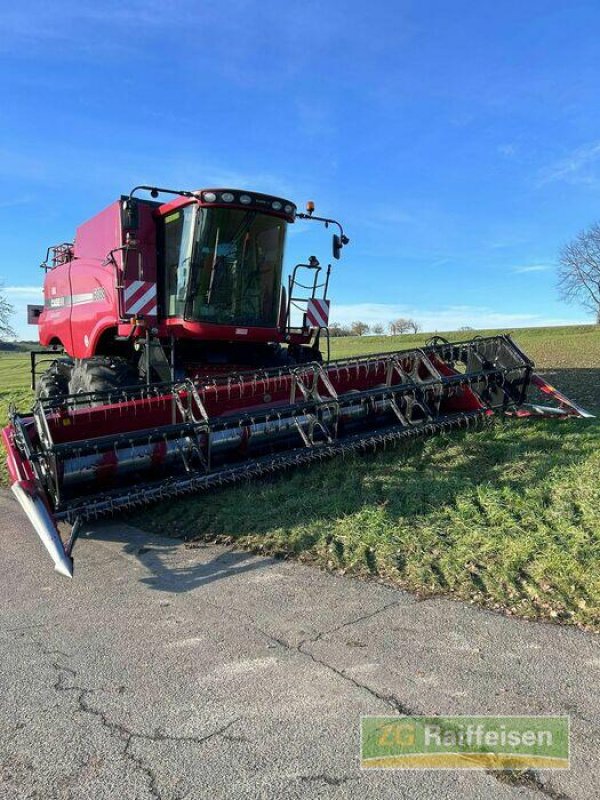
(56, 255)
(300, 293)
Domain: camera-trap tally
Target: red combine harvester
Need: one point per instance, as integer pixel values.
(179, 362)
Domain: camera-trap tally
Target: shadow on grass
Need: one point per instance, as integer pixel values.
(294, 512)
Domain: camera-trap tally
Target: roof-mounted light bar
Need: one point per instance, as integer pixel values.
(262, 202)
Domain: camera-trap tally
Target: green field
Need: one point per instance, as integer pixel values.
(14, 382)
(508, 517)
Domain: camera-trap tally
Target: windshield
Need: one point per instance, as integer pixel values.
(224, 265)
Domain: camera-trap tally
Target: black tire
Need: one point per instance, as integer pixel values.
(279, 356)
(54, 382)
(303, 354)
(101, 374)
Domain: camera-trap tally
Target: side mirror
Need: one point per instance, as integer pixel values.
(336, 246)
(130, 213)
(338, 243)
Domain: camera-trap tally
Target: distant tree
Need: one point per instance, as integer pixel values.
(579, 270)
(399, 325)
(359, 328)
(465, 328)
(413, 326)
(6, 312)
(335, 329)
(377, 328)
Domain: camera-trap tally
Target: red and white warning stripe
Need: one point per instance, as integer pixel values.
(140, 298)
(317, 313)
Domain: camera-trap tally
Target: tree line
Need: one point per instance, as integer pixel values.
(578, 282)
(358, 328)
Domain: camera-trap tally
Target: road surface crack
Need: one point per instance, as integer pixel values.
(330, 780)
(354, 621)
(389, 699)
(126, 734)
(530, 780)
(527, 779)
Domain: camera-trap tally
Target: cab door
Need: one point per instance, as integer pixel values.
(139, 265)
(55, 319)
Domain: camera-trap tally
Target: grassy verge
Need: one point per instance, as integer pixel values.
(572, 345)
(14, 390)
(507, 517)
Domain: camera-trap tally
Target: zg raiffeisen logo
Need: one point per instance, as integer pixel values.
(465, 742)
(398, 736)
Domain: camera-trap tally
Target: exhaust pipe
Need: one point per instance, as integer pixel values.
(44, 526)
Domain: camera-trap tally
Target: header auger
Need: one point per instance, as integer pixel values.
(180, 362)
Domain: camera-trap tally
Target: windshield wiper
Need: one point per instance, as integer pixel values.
(190, 289)
(212, 269)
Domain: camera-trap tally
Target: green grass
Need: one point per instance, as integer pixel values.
(507, 517)
(14, 390)
(572, 346)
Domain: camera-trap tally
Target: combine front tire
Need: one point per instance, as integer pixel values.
(101, 374)
(54, 382)
(303, 354)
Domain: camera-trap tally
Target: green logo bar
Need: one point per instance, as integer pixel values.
(540, 742)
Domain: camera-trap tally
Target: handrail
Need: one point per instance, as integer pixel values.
(59, 254)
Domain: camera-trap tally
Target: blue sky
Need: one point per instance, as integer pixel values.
(459, 142)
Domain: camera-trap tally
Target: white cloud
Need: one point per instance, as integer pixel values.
(447, 318)
(23, 290)
(17, 201)
(577, 167)
(20, 297)
(532, 268)
(507, 150)
(381, 217)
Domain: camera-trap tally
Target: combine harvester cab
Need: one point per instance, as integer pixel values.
(106, 434)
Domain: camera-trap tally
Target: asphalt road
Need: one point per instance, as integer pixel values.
(166, 671)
